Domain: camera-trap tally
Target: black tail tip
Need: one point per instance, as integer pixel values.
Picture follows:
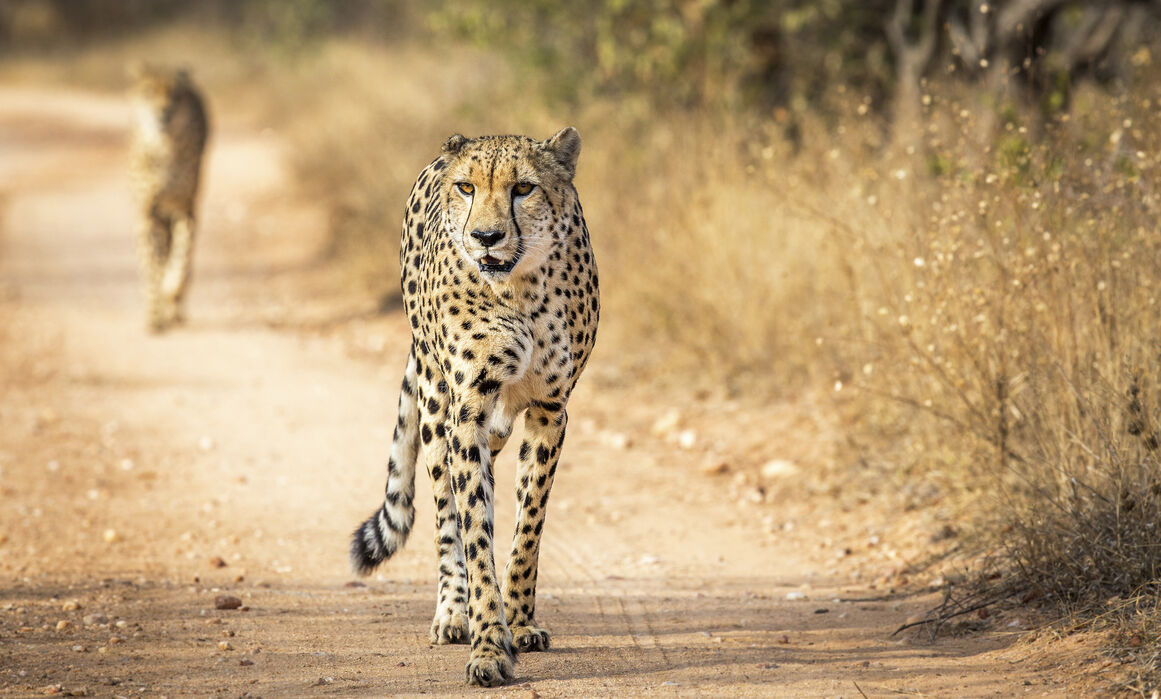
(367, 548)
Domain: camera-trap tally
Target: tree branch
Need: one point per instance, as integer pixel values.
(919, 52)
(1099, 28)
(965, 47)
(1016, 17)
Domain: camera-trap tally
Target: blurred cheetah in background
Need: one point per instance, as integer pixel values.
(169, 136)
(500, 286)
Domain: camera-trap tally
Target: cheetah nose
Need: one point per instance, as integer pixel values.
(488, 238)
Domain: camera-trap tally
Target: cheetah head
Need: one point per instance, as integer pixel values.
(503, 196)
(154, 86)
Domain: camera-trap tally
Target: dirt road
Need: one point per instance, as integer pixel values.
(141, 477)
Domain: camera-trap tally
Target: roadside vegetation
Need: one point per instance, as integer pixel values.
(944, 214)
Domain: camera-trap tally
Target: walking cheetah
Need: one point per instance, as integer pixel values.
(169, 136)
(500, 286)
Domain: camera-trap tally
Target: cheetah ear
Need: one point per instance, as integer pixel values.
(454, 144)
(565, 149)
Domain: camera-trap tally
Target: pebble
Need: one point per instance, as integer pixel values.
(714, 468)
(70, 606)
(616, 440)
(245, 662)
(78, 649)
(63, 624)
(795, 595)
(667, 422)
(111, 536)
(225, 645)
(218, 562)
(95, 619)
(779, 468)
(686, 439)
(227, 602)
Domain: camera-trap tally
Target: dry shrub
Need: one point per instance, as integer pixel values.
(1018, 334)
(1136, 642)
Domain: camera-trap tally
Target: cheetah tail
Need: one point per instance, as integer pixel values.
(385, 532)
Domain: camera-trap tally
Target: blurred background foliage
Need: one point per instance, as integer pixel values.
(942, 214)
(691, 53)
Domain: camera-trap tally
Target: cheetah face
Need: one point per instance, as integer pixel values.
(152, 92)
(155, 85)
(502, 197)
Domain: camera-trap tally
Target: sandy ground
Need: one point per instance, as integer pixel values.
(141, 477)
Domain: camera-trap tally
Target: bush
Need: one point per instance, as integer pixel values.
(1019, 318)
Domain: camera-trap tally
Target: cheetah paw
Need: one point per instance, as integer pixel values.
(449, 627)
(530, 638)
(489, 668)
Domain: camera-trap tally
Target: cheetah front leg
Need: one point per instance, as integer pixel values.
(450, 623)
(175, 278)
(153, 239)
(539, 453)
(469, 460)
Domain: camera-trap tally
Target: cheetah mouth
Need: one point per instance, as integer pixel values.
(491, 263)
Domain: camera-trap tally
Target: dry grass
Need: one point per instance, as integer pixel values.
(1136, 642)
(1021, 319)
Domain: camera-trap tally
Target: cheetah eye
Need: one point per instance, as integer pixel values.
(466, 187)
(523, 189)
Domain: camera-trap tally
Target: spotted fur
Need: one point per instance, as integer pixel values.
(169, 136)
(500, 286)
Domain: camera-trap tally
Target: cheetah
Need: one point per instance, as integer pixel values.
(169, 137)
(499, 283)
